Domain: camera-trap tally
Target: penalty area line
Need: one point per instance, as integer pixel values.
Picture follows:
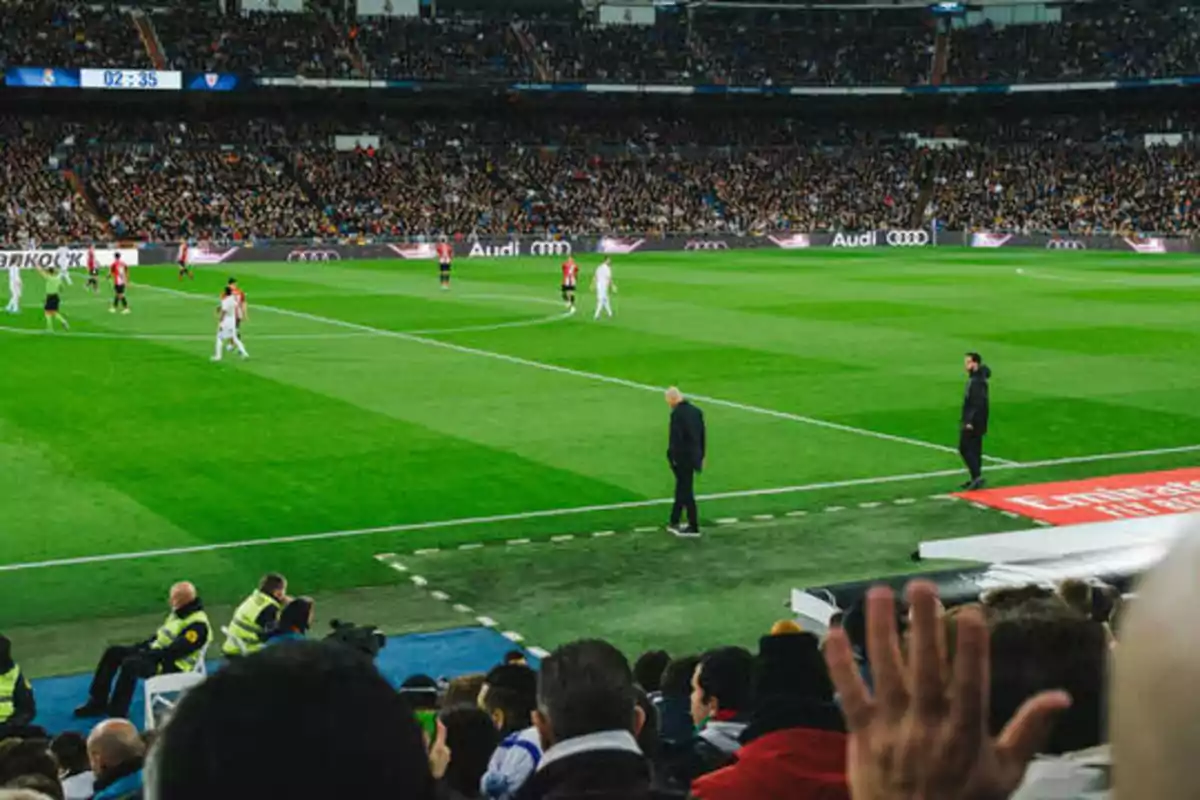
(570, 511)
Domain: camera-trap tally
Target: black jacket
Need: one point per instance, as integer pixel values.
(598, 775)
(685, 448)
(975, 401)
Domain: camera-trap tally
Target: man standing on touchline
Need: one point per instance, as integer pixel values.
(685, 454)
(974, 424)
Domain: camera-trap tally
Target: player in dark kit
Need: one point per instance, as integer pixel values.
(445, 254)
(93, 272)
(570, 277)
(118, 273)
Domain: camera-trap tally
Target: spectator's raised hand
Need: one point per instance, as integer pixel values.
(923, 733)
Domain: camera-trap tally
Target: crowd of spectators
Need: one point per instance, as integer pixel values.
(1151, 38)
(53, 33)
(209, 194)
(557, 173)
(726, 724)
(443, 49)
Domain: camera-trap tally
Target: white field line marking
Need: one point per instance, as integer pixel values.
(1146, 282)
(513, 636)
(538, 652)
(603, 534)
(763, 517)
(727, 521)
(486, 622)
(647, 529)
(833, 509)
(471, 546)
(566, 537)
(565, 512)
(173, 337)
(419, 581)
(439, 595)
(595, 376)
(797, 514)
(463, 609)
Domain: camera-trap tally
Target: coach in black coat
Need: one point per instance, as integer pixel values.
(974, 422)
(685, 454)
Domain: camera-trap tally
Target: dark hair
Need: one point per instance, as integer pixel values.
(71, 751)
(228, 292)
(20, 757)
(420, 692)
(677, 677)
(295, 615)
(1077, 594)
(514, 657)
(232, 281)
(272, 582)
(1046, 645)
(648, 669)
(511, 688)
(1009, 597)
(975, 358)
(37, 782)
(727, 674)
(472, 739)
(353, 735)
(586, 687)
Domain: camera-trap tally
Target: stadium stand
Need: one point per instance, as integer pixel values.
(766, 723)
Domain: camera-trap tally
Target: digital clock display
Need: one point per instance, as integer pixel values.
(134, 79)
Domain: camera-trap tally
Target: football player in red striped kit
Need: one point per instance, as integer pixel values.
(184, 253)
(445, 254)
(570, 272)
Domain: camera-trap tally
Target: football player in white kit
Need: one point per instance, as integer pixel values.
(602, 282)
(14, 289)
(62, 260)
(227, 316)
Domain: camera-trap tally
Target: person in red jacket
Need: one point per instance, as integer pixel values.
(795, 745)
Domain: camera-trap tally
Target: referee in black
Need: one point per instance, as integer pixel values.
(974, 423)
(685, 454)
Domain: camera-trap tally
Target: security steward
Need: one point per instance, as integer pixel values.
(177, 647)
(256, 617)
(17, 707)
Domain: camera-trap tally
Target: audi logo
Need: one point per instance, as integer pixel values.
(705, 244)
(1065, 244)
(550, 249)
(314, 255)
(907, 238)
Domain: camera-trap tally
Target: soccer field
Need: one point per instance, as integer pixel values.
(380, 415)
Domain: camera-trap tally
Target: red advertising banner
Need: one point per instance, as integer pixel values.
(1149, 494)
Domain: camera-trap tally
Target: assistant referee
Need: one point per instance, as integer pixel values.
(685, 454)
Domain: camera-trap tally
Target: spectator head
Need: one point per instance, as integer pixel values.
(272, 583)
(648, 669)
(20, 757)
(420, 691)
(472, 739)
(1014, 596)
(354, 735)
(515, 657)
(37, 786)
(113, 744)
(182, 593)
(677, 677)
(1044, 645)
(786, 626)
(509, 696)
(723, 682)
(585, 687)
(297, 615)
(71, 751)
(791, 665)
(464, 691)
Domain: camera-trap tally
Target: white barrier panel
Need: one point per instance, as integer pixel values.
(76, 257)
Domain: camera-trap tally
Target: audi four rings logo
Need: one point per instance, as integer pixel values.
(1065, 244)
(314, 255)
(705, 244)
(907, 238)
(550, 249)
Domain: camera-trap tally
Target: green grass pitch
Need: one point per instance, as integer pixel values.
(353, 413)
